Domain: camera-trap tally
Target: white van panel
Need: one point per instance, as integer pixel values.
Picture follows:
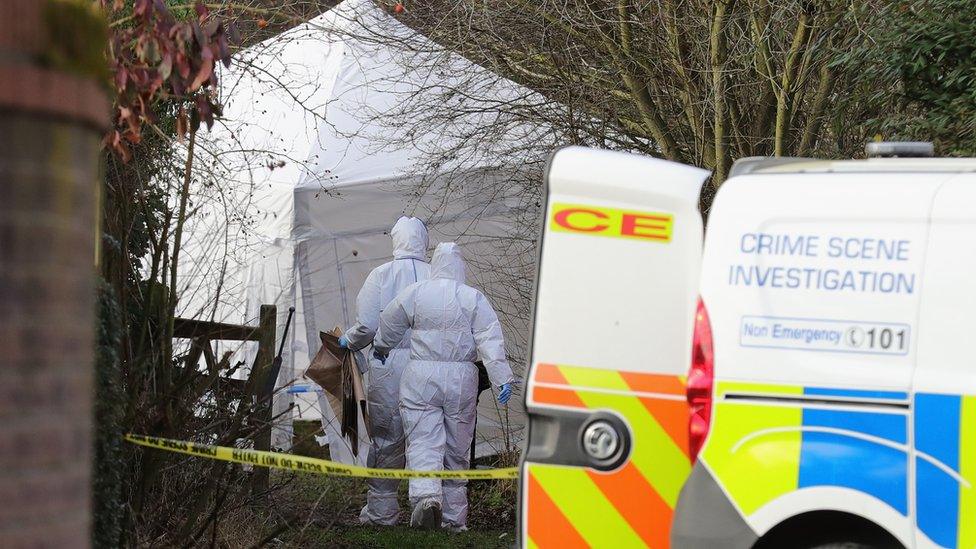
(814, 279)
(613, 303)
(948, 313)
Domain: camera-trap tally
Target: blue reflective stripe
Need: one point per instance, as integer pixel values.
(855, 393)
(938, 507)
(937, 424)
(889, 426)
(937, 427)
(836, 459)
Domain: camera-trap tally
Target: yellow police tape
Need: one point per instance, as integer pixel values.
(311, 465)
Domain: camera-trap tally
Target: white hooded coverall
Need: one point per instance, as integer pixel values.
(382, 394)
(449, 325)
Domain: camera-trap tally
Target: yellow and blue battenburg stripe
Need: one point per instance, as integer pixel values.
(945, 465)
(747, 437)
(866, 450)
(873, 456)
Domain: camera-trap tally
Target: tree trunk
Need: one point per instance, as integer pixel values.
(49, 144)
(718, 54)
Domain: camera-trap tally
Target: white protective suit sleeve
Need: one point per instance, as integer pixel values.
(361, 334)
(394, 322)
(487, 331)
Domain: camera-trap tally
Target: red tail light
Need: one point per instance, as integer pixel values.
(700, 377)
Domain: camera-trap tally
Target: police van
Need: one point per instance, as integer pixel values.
(802, 378)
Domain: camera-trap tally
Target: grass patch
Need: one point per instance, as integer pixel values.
(402, 536)
(324, 511)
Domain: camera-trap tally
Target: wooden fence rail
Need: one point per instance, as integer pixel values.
(257, 389)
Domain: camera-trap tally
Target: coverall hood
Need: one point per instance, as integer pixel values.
(447, 262)
(409, 238)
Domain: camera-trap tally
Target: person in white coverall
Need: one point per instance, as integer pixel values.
(383, 394)
(449, 326)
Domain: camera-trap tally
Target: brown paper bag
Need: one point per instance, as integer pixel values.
(359, 392)
(326, 371)
(334, 370)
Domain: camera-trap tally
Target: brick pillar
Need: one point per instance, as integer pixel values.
(49, 149)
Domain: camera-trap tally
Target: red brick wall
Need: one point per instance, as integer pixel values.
(48, 171)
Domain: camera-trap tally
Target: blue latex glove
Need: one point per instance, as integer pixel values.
(343, 342)
(505, 393)
(379, 357)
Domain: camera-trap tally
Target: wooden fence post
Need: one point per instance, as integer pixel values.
(263, 410)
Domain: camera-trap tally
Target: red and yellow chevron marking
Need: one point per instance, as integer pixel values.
(629, 507)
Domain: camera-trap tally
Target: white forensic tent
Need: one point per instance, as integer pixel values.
(310, 185)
